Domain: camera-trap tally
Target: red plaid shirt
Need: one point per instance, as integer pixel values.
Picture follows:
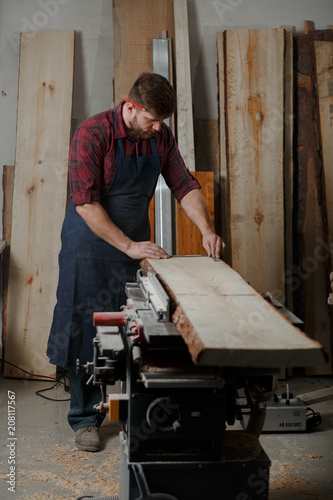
(92, 157)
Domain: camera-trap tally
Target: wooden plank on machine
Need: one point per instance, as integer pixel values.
(189, 238)
(40, 195)
(135, 24)
(225, 322)
(324, 69)
(255, 104)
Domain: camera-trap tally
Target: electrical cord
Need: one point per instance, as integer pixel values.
(313, 419)
(57, 381)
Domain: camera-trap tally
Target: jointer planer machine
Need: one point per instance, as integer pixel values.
(179, 380)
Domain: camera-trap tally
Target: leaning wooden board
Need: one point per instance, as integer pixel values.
(225, 322)
(8, 188)
(312, 251)
(39, 198)
(189, 238)
(324, 70)
(135, 24)
(185, 132)
(254, 83)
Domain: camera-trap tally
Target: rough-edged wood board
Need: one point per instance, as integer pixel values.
(189, 238)
(225, 232)
(225, 322)
(324, 69)
(288, 164)
(135, 24)
(185, 132)
(40, 194)
(314, 397)
(255, 104)
(311, 250)
(8, 187)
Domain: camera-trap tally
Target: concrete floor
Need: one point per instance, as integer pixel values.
(49, 467)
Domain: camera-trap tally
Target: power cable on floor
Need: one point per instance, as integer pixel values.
(57, 381)
(313, 419)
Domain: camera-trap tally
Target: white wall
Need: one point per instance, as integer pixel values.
(93, 82)
(208, 17)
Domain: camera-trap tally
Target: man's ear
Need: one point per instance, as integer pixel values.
(130, 108)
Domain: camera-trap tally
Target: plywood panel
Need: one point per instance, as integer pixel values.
(189, 239)
(135, 24)
(40, 192)
(255, 104)
(224, 321)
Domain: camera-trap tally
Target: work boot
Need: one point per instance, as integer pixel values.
(87, 439)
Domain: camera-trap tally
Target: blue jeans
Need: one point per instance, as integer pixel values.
(83, 399)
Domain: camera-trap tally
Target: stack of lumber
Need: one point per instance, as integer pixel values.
(276, 153)
(39, 197)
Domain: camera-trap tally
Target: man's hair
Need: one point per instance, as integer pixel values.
(154, 93)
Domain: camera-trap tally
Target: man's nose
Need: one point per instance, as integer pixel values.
(156, 126)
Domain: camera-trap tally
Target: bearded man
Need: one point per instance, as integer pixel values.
(115, 159)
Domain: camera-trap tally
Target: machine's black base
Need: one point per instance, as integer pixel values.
(236, 479)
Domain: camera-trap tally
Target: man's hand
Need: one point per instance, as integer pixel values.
(213, 244)
(100, 223)
(195, 207)
(145, 250)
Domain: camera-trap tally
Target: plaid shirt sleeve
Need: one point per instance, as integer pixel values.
(176, 174)
(86, 163)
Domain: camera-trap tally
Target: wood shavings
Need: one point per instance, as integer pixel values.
(63, 472)
(282, 476)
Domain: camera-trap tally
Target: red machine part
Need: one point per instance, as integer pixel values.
(136, 327)
(120, 319)
(109, 318)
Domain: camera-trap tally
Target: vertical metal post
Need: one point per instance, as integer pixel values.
(163, 200)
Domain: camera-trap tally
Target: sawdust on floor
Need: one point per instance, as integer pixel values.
(63, 472)
(288, 477)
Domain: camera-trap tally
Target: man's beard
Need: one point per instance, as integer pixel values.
(137, 132)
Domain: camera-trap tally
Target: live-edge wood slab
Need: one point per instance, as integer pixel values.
(225, 322)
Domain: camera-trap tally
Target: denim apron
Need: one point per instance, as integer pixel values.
(92, 273)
